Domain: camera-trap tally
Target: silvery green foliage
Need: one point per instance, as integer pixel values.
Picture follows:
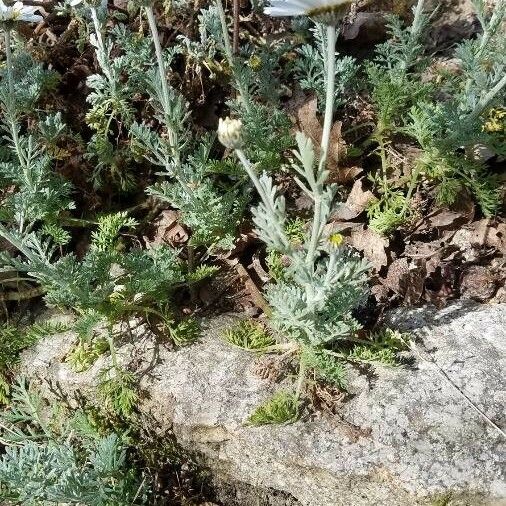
(483, 64)
(394, 74)
(212, 213)
(444, 127)
(204, 50)
(110, 96)
(144, 276)
(171, 110)
(259, 69)
(54, 473)
(110, 101)
(47, 461)
(31, 80)
(41, 195)
(324, 282)
(310, 69)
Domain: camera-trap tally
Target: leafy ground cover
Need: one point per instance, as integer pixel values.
(164, 161)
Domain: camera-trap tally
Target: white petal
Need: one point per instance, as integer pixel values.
(73, 3)
(29, 10)
(277, 12)
(31, 18)
(283, 4)
(336, 3)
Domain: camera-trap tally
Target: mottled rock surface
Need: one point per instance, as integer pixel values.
(407, 436)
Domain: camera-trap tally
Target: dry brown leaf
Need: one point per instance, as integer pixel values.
(176, 235)
(433, 252)
(380, 292)
(167, 230)
(344, 175)
(310, 125)
(406, 279)
(372, 245)
(308, 121)
(355, 204)
(478, 283)
(462, 212)
(304, 202)
(473, 238)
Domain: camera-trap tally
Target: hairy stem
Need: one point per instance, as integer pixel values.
(265, 198)
(243, 93)
(325, 141)
(300, 380)
(485, 101)
(8, 56)
(329, 98)
(11, 117)
(102, 55)
(171, 131)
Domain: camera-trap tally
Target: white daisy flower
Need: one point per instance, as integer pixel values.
(19, 12)
(326, 11)
(92, 3)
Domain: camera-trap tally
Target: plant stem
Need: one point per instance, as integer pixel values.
(230, 55)
(8, 56)
(236, 27)
(10, 115)
(315, 232)
(102, 55)
(265, 198)
(329, 98)
(300, 380)
(171, 131)
(484, 101)
(411, 189)
(325, 141)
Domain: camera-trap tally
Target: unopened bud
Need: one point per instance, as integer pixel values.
(229, 132)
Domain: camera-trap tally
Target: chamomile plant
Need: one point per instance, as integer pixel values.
(111, 111)
(210, 210)
(452, 132)
(112, 282)
(312, 305)
(445, 114)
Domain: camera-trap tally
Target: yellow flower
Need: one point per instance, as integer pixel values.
(336, 239)
(255, 62)
(496, 121)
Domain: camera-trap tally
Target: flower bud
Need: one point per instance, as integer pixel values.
(229, 132)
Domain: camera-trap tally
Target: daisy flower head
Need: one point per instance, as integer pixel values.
(230, 132)
(90, 3)
(18, 12)
(328, 12)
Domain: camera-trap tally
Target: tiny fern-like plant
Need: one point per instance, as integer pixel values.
(282, 407)
(249, 335)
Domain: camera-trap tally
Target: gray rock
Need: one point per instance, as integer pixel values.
(408, 436)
